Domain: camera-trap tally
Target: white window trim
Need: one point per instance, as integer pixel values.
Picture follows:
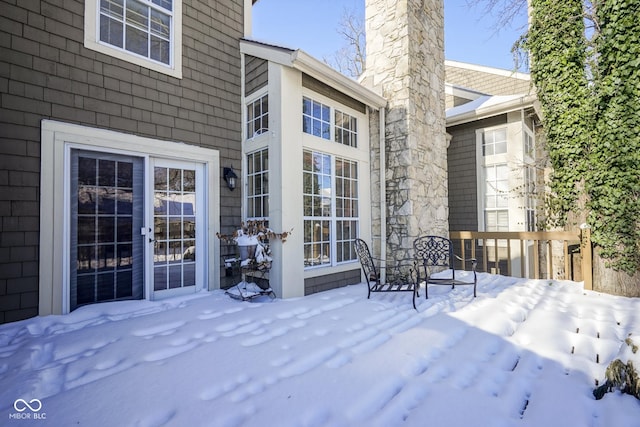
(92, 41)
(57, 139)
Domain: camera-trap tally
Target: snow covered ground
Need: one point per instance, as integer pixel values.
(523, 353)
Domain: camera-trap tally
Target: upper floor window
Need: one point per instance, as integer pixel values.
(258, 116)
(346, 129)
(145, 32)
(317, 121)
(138, 26)
(494, 142)
(316, 118)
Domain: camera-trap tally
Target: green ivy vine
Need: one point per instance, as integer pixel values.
(558, 48)
(590, 99)
(613, 179)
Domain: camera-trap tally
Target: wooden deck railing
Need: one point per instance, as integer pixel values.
(539, 254)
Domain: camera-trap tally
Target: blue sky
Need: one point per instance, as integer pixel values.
(312, 26)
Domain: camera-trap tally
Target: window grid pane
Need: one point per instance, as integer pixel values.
(316, 119)
(494, 142)
(317, 242)
(346, 129)
(317, 194)
(258, 178)
(346, 188)
(497, 198)
(140, 27)
(496, 186)
(346, 232)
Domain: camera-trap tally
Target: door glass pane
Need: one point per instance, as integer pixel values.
(175, 180)
(174, 228)
(106, 208)
(190, 181)
(160, 178)
(86, 171)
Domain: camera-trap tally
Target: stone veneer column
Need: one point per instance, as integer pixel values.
(405, 60)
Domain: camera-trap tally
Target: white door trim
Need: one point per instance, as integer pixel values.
(57, 139)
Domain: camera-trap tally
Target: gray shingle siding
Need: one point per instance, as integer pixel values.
(256, 74)
(331, 281)
(487, 82)
(47, 73)
(326, 90)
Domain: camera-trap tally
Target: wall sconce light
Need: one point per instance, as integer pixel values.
(230, 177)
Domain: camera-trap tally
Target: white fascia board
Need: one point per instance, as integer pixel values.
(462, 92)
(514, 103)
(489, 70)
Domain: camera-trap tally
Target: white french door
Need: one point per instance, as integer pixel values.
(176, 239)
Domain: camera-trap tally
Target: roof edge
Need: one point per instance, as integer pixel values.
(524, 101)
(491, 70)
(306, 63)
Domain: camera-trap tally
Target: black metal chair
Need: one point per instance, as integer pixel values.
(433, 253)
(400, 278)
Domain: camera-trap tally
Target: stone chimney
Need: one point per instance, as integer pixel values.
(405, 62)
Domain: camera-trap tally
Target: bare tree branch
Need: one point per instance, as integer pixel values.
(350, 59)
(505, 11)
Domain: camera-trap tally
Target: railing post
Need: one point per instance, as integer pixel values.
(586, 253)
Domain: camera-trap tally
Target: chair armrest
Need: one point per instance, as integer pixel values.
(473, 261)
(394, 270)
